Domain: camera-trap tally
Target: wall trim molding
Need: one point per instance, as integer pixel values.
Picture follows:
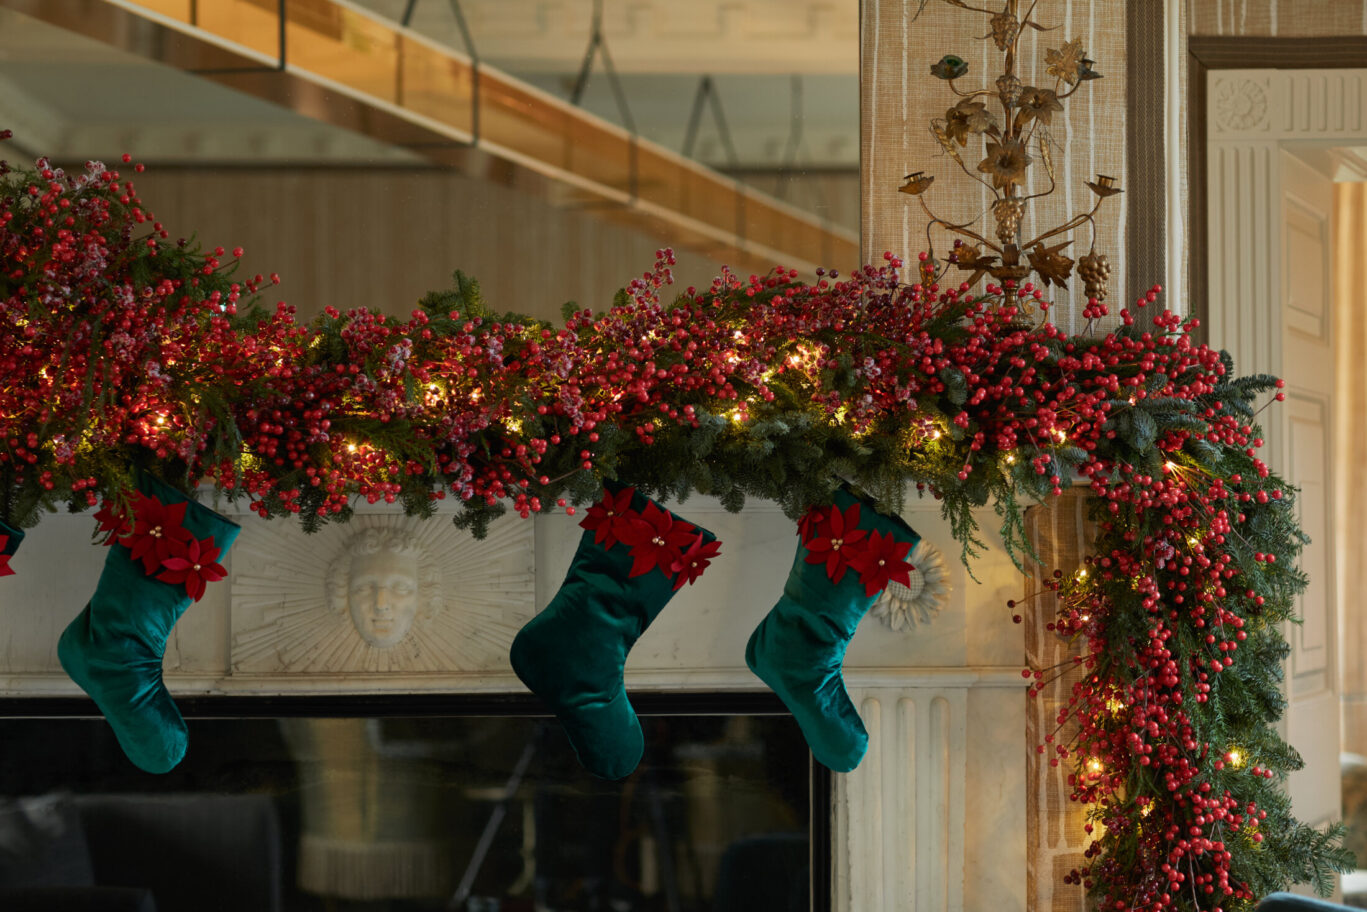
(1145, 148)
(1222, 52)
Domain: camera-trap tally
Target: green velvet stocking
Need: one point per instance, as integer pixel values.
(571, 655)
(12, 537)
(113, 649)
(799, 647)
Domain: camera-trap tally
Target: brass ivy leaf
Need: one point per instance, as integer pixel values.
(1065, 62)
(968, 117)
(1052, 266)
(968, 257)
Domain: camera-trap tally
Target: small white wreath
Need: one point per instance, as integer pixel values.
(903, 607)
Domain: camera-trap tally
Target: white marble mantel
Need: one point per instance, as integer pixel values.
(934, 818)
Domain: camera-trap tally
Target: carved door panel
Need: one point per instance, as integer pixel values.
(1303, 450)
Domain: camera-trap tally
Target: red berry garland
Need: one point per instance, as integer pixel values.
(121, 350)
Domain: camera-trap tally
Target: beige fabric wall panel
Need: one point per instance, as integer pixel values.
(1283, 18)
(899, 97)
(383, 238)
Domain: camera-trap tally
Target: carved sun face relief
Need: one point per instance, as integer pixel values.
(382, 593)
(382, 578)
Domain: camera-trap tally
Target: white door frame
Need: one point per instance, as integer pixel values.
(1253, 117)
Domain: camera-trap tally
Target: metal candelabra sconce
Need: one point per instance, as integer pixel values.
(1027, 114)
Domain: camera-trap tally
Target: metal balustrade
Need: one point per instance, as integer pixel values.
(338, 64)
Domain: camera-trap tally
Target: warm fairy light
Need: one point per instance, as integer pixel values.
(1146, 810)
(1082, 574)
(1115, 705)
(1010, 459)
(738, 336)
(1170, 466)
(936, 434)
(1095, 767)
(514, 425)
(1059, 435)
(736, 416)
(351, 447)
(1234, 757)
(161, 421)
(804, 357)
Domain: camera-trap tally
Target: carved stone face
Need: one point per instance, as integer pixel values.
(382, 594)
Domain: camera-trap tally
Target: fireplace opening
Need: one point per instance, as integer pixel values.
(398, 803)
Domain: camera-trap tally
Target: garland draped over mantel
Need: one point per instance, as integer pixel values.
(123, 351)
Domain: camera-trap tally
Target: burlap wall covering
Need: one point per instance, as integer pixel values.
(899, 97)
(1061, 535)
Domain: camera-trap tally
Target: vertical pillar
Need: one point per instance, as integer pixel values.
(1055, 840)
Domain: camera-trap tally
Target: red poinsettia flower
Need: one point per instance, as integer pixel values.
(610, 517)
(812, 524)
(656, 539)
(694, 560)
(194, 564)
(157, 528)
(838, 543)
(882, 560)
(5, 569)
(113, 522)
